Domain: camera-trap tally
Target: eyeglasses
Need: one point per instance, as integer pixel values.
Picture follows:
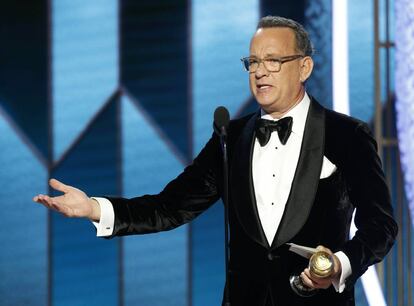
(272, 64)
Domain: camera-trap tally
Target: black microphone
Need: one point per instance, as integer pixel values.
(221, 120)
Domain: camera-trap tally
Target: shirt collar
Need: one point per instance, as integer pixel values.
(298, 114)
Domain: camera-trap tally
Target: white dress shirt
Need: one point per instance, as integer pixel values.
(273, 168)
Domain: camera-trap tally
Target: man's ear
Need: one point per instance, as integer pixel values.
(306, 68)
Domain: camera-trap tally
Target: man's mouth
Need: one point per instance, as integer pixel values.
(263, 87)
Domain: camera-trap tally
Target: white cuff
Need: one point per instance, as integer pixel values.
(105, 226)
(339, 285)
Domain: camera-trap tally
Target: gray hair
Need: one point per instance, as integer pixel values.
(303, 43)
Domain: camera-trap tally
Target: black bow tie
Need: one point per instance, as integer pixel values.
(264, 129)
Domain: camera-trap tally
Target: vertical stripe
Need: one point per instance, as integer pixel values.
(370, 281)
(340, 56)
(23, 238)
(84, 67)
(85, 268)
(154, 265)
(221, 35)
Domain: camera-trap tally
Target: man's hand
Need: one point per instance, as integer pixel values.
(322, 283)
(73, 202)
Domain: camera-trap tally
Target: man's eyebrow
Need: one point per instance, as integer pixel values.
(268, 55)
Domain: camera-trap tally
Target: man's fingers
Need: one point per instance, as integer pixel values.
(52, 203)
(337, 262)
(307, 281)
(55, 184)
(318, 283)
(38, 198)
(45, 200)
(41, 198)
(322, 248)
(306, 273)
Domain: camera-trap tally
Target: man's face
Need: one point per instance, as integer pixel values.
(276, 92)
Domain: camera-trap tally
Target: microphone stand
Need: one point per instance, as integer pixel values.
(223, 142)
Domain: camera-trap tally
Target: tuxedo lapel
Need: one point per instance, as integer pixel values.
(306, 179)
(242, 190)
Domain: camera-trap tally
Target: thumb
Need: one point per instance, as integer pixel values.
(55, 184)
(324, 249)
(337, 262)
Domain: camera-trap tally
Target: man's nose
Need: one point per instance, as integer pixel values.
(261, 70)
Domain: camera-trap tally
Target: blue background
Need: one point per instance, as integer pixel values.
(116, 97)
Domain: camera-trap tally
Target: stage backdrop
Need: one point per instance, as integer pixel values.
(116, 97)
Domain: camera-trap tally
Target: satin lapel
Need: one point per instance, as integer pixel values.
(306, 179)
(242, 190)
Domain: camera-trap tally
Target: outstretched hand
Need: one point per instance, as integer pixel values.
(72, 203)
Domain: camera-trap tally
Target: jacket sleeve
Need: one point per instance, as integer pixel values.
(376, 227)
(183, 199)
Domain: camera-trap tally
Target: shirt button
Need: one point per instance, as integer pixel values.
(274, 175)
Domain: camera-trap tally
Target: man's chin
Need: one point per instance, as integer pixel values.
(265, 105)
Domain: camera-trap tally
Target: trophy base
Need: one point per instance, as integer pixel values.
(300, 288)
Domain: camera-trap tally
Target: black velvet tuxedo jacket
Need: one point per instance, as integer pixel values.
(318, 211)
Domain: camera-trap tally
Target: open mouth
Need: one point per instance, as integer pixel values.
(263, 87)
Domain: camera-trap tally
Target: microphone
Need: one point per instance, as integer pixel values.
(221, 120)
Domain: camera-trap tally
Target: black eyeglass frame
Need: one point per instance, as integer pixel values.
(247, 62)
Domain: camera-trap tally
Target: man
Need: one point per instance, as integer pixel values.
(297, 185)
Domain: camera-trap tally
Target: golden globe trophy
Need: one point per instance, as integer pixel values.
(321, 265)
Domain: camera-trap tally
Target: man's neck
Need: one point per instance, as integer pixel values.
(280, 114)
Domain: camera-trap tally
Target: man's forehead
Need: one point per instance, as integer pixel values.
(274, 39)
(277, 33)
